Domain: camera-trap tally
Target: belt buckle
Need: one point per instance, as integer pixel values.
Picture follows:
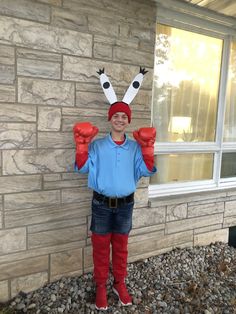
(112, 202)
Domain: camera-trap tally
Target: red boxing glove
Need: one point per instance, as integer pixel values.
(84, 132)
(146, 138)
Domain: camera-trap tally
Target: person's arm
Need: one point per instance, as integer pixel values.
(146, 138)
(83, 135)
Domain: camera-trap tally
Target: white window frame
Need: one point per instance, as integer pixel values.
(196, 19)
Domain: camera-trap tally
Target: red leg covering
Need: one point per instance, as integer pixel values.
(119, 265)
(101, 259)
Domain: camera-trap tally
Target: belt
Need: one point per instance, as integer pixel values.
(113, 202)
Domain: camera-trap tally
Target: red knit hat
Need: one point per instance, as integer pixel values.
(119, 107)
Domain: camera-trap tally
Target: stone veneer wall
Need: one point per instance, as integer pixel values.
(50, 51)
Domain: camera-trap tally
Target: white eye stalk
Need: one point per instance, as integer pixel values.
(134, 87)
(131, 91)
(107, 87)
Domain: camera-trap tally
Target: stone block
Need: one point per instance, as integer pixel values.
(229, 221)
(102, 51)
(51, 177)
(211, 237)
(17, 135)
(141, 197)
(176, 212)
(124, 30)
(52, 2)
(61, 140)
(48, 217)
(57, 236)
(142, 33)
(207, 229)
(76, 195)
(143, 230)
(133, 56)
(38, 68)
(32, 54)
(1, 217)
(74, 176)
(143, 182)
(31, 200)
(89, 88)
(15, 184)
(192, 199)
(25, 10)
(146, 45)
(46, 92)
(49, 224)
(4, 295)
(23, 267)
(12, 240)
(69, 19)
(147, 236)
(80, 70)
(162, 242)
(66, 262)
(7, 55)
(37, 161)
(230, 208)
(28, 283)
(44, 37)
(88, 258)
(103, 26)
(17, 113)
(7, 93)
(7, 74)
(193, 223)
(62, 184)
(92, 100)
(143, 217)
(38, 252)
(205, 209)
(49, 119)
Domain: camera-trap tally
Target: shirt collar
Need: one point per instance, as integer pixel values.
(112, 144)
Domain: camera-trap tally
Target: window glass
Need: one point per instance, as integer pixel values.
(186, 83)
(228, 165)
(183, 167)
(230, 112)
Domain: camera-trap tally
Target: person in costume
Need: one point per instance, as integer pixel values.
(114, 165)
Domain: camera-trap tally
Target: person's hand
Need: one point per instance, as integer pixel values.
(84, 132)
(145, 136)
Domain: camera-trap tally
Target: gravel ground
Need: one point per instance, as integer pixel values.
(190, 280)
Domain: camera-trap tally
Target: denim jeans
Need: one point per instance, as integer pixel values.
(111, 220)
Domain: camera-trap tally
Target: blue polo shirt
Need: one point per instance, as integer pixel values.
(114, 170)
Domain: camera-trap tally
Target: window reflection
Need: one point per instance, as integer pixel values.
(228, 166)
(230, 113)
(183, 167)
(186, 82)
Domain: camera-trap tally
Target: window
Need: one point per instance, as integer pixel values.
(194, 108)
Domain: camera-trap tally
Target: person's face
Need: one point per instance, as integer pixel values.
(119, 122)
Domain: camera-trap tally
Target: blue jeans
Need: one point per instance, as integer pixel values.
(111, 220)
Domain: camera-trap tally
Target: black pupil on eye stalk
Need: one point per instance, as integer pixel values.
(135, 84)
(106, 85)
